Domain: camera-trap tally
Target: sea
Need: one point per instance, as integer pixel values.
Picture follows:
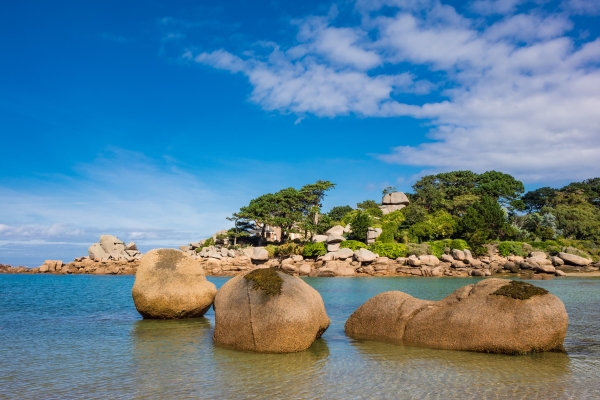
(80, 337)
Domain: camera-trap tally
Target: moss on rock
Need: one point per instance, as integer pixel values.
(520, 290)
(168, 258)
(266, 279)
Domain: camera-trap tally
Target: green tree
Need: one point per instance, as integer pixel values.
(388, 190)
(290, 209)
(535, 200)
(339, 212)
(370, 207)
(455, 191)
(578, 221)
(501, 187)
(436, 192)
(439, 225)
(589, 189)
(484, 221)
(360, 225)
(241, 227)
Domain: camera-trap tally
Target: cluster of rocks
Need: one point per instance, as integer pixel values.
(363, 262)
(264, 310)
(9, 269)
(393, 202)
(110, 256)
(333, 237)
(111, 248)
(85, 265)
(269, 310)
(539, 261)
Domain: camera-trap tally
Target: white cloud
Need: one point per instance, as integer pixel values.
(122, 193)
(520, 95)
(488, 7)
(583, 7)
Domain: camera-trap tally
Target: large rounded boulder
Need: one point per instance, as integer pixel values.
(171, 284)
(267, 310)
(492, 316)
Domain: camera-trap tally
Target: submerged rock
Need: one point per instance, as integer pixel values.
(494, 316)
(171, 284)
(267, 310)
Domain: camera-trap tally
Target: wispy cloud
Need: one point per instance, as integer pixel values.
(122, 193)
(519, 95)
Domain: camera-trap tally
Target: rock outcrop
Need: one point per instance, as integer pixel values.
(372, 234)
(111, 248)
(267, 310)
(494, 315)
(572, 259)
(171, 284)
(393, 202)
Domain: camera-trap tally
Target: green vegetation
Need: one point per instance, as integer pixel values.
(266, 279)
(289, 249)
(451, 210)
(352, 245)
(294, 211)
(271, 249)
(520, 290)
(360, 225)
(339, 212)
(312, 249)
(440, 247)
(390, 250)
(507, 248)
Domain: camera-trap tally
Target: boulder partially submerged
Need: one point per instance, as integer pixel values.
(493, 316)
(267, 310)
(171, 284)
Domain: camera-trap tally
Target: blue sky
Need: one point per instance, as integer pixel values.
(154, 120)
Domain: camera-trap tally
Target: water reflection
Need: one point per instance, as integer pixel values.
(170, 356)
(545, 375)
(262, 375)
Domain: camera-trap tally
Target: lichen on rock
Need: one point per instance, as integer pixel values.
(520, 290)
(266, 279)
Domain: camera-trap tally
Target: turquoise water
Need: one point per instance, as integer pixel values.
(65, 337)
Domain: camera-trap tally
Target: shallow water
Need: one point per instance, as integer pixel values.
(80, 337)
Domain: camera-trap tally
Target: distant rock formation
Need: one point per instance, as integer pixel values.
(112, 248)
(393, 202)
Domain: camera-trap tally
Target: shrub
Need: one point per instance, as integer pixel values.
(360, 224)
(396, 217)
(459, 244)
(418, 249)
(390, 250)
(313, 249)
(439, 247)
(507, 248)
(352, 245)
(288, 249)
(389, 231)
(208, 242)
(271, 249)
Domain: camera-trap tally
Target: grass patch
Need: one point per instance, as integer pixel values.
(266, 279)
(520, 290)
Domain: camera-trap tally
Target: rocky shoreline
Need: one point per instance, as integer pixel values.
(361, 263)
